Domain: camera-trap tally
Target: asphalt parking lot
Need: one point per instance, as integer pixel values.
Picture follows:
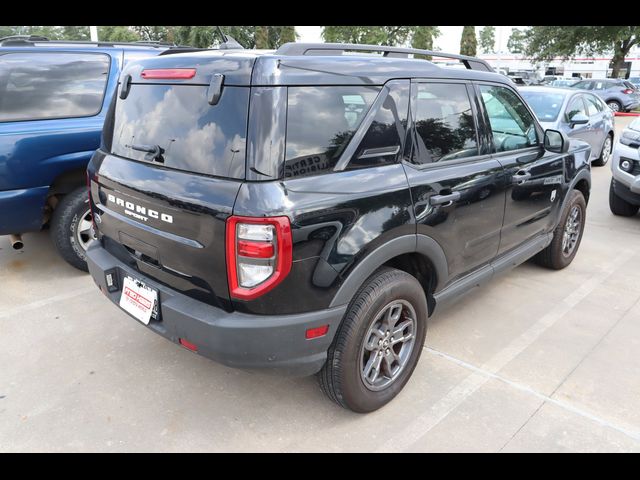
(535, 361)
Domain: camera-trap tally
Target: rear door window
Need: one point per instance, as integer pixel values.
(40, 86)
(320, 123)
(186, 131)
(576, 106)
(444, 123)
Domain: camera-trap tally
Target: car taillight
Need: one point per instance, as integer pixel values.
(259, 254)
(168, 73)
(628, 91)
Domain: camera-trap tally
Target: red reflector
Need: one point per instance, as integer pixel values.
(169, 73)
(188, 345)
(317, 332)
(627, 91)
(248, 248)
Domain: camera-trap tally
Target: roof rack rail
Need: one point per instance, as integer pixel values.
(31, 40)
(294, 48)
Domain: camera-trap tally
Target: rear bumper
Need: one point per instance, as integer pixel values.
(22, 210)
(274, 342)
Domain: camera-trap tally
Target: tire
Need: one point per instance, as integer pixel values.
(341, 378)
(605, 155)
(614, 105)
(71, 213)
(555, 256)
(619, 206)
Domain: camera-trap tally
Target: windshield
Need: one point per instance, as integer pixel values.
(545, 105)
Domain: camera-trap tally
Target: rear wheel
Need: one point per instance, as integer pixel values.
(607, 147)
(378, 344)
(567, 235)
(619, 206)
(615, 105)
(72, 228)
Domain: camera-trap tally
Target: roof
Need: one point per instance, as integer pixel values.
(564, 90)
(272, 68)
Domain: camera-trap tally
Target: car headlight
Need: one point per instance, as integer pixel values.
(630, 138)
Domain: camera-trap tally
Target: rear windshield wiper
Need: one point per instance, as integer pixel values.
(154, 152)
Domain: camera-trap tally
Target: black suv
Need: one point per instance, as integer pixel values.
(308, 209)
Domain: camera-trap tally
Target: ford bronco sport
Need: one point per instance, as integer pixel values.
(307, 209)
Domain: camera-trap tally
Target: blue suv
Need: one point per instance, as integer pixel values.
(53, 100)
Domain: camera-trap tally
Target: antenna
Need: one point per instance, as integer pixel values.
(228, 42)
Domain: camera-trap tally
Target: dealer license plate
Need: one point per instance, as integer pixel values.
(139, 300)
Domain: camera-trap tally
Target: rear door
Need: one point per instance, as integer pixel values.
(169, 179)
(456, 186)
(533, 177)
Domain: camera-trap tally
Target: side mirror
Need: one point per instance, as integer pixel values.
(556, 141)
(578, 119)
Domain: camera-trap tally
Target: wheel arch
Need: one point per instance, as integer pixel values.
(418, 255)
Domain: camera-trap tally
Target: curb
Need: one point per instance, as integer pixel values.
(630, 114)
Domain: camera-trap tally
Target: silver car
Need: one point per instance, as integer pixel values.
(579, 114)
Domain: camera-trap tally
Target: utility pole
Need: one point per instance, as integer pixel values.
(94, 33)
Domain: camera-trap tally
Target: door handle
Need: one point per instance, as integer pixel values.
(519, 178)
(444, 199)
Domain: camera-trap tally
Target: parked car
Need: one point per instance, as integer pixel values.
(563, 82)
(620, 95)
(306, 211)
(635, 81)
(579, 114)
(53, 99)
(624, 191)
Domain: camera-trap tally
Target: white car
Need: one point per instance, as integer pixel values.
(624, 193)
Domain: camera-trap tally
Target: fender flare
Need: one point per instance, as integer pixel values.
(422, 244)
(582, 175)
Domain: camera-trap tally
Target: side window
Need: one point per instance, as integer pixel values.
(584, 85)
(576, 106)
(600, 85)
(444, 123)
(512, 126)
(593, 106)
(320, 124)
(383, 141)
(38, 86)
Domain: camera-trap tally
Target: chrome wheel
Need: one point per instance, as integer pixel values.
(388, 345)
(572, 229)
(606, 150)
(85, 233)
(615, 106)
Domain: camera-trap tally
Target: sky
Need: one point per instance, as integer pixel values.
(448, 41)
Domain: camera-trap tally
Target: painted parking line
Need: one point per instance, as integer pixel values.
(420, 426)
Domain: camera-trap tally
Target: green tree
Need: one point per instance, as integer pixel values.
(262, 37)
(545, 42)
(423, 37)
(487, 39)
(117, 34)
(468, 42)
(517, 41)
(287, 34)
(376, 35)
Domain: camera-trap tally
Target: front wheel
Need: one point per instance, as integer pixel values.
(378, 344)
(72, 228)
(607, 147)
(619, 206)
(567, 235)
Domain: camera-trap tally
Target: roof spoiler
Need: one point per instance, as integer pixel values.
(294, 48)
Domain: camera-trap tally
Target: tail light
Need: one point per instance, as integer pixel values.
(628, 91)
(168, 73)
(259, 254)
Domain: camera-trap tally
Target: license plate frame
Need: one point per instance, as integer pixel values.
(139, 300)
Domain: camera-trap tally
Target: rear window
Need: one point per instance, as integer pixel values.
(320, 124)
(40, 86)
(545, 105)
(191, 134)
